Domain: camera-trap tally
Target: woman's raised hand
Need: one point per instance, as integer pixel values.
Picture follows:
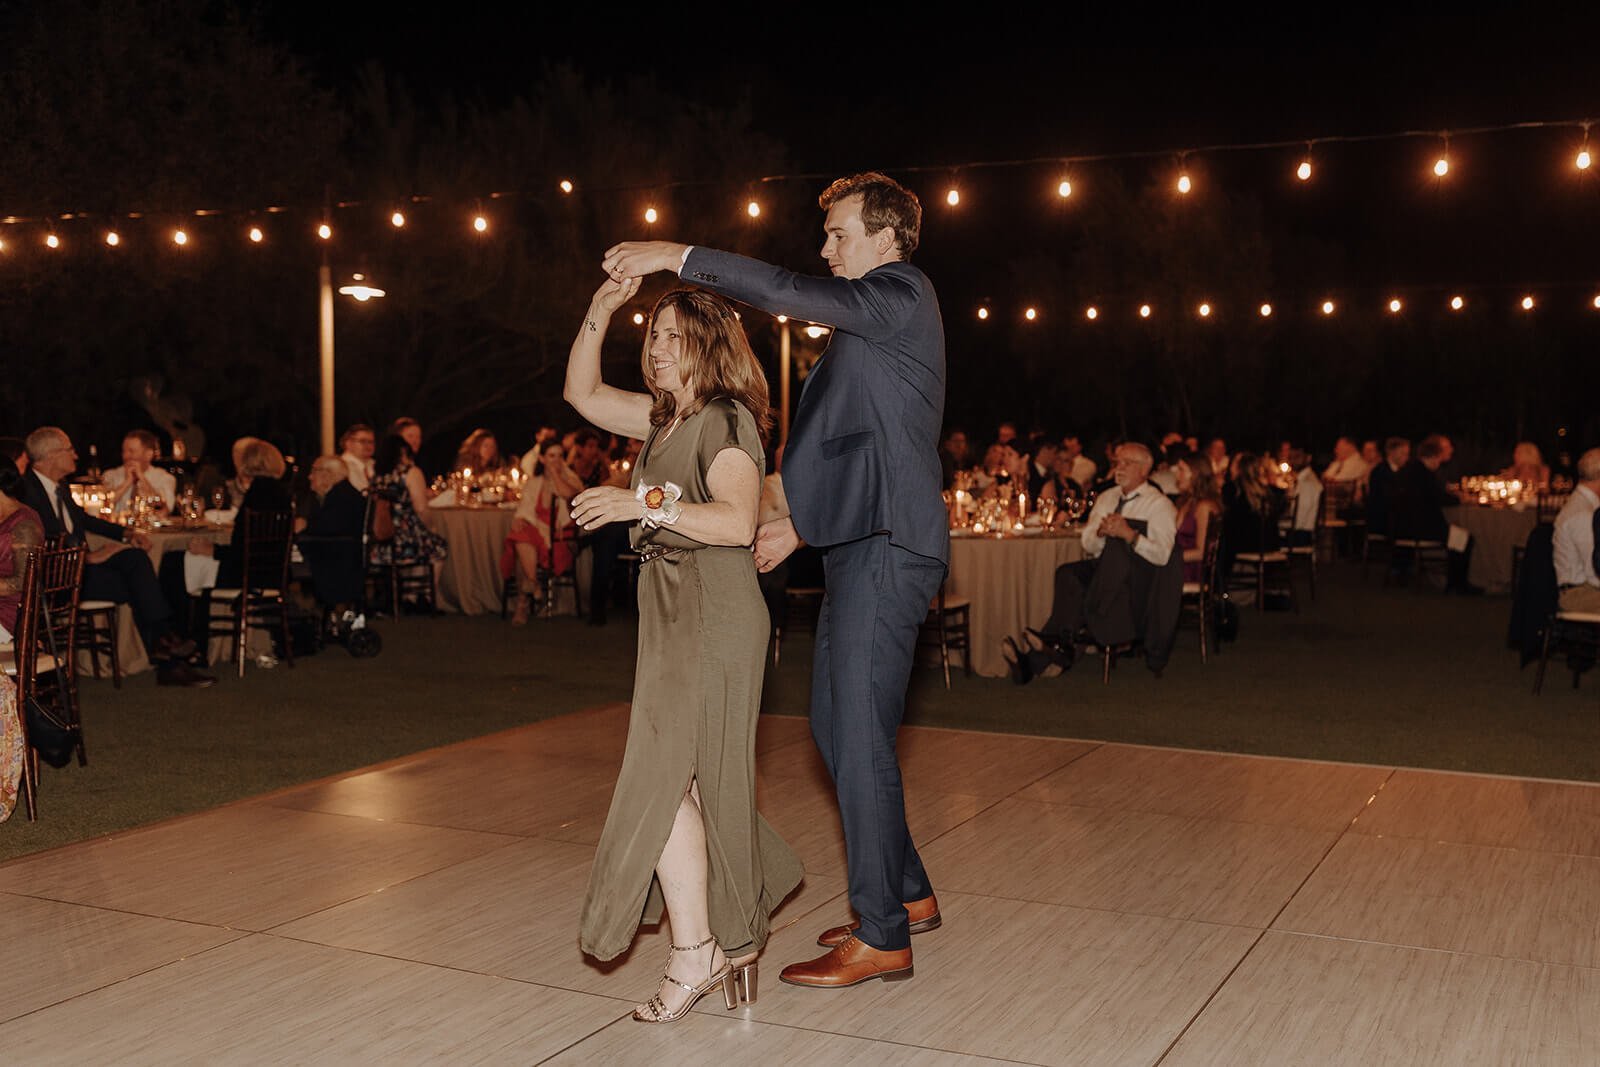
(613, 294)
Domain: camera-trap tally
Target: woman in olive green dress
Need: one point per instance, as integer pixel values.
(683, 832)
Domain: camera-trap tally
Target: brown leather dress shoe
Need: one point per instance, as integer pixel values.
(924, 916)
(850, 963)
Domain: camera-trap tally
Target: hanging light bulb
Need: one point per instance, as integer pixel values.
(1527, 303)
(256, 236)
(566, 186)
(113, 239)
(179, 237)
(638, 318)
(52, 241)
(1303, 171)
(1441, 166)
(1596, 299)
(650, 215)
(1064, 190)
(1327, 307)
(753, 209)
(1144, 311)
(1395, 306)
(480, 223)
(1184, 184)
(1205, 311)
(325, 231)
(397, 220)
(983, 314)
(1030, 314)
(1457, 303)
(1266, 311)
(1583, 161)
(953, 197)
(1093, 312)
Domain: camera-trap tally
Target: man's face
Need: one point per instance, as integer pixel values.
(1449, 450)
(1071, 447)
(135, 454)
(1344, 448)
(60, 463)
(1217, 449)
(321, 480)
(1129, 469)
(956, 444)
(590, 452)
(1046, 456)
(362, 444)
(1370, 453)
(850, 251)
(1006, 432)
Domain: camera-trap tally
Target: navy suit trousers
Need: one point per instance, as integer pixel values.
(128, 578)
(877, 596)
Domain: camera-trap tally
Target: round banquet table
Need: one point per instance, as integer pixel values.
(470, 581)
(1009, 583)
(131, 654)
(1495, 532)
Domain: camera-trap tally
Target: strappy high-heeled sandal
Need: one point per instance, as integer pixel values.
(744, 978)
(655, 1010)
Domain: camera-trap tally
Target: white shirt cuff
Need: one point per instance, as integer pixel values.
(684, 261)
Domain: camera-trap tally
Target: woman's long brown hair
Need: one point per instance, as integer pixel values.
(714, 358)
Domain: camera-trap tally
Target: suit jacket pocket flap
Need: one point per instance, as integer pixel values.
(834, 447)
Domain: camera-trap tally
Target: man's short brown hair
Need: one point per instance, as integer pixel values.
(884, 202)
(150, 441)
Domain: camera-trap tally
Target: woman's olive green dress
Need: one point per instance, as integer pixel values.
(697, 691)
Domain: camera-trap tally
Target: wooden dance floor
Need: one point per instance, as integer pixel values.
(1103, 904)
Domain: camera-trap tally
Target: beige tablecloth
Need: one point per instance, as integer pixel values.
(131, 654)
(1010, 584)
(1495, 532)
(470, 582)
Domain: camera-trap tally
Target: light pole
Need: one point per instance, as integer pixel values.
(785, 359)
(362, 291)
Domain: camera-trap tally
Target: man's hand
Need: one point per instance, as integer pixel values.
(775, 540)
(1115, 525)
(634, 259)
(595, 507)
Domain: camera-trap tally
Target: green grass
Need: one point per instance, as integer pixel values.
(1364, 675)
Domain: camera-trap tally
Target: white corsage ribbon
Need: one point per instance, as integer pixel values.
(658, 504)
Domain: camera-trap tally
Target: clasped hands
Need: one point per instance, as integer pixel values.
(635, 259)
(1115, 525)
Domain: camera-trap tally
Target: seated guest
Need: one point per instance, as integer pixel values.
(21, 531)
(261, 468)
(1199, 504)
(480, 453)
(1382, 484)
(329, 534)
(542, 534)
(1165, 475)
(1006, 434)
(15, 451)
(1040, 465)
(356, 447)
(138, 477)
(1252, 504)
(1306, 497)
(1217, 453)
(1083, 467)
(399, 482)
(410, 430)
(1347, 465)
(586, 459)
(1062, 487)
(1528, 466)
(1129, 534)
(1418, 501)
(1574, 540)
(954, 455)
(111, 572)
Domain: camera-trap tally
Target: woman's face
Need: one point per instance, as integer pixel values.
(1184, 475)
(552, 454)
(666, 352)
(994, 457)
(488, 449)
(413, 436)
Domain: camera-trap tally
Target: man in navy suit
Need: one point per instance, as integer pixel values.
(862, 480)
(112, 571)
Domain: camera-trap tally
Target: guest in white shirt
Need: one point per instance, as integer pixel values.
(1083, 467)
(1347, 465)
(138, 477)
(1133, 512)
(1306, 491)
(1574, 539)
(357, 446)
(1217, 453)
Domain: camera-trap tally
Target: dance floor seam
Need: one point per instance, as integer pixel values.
(1103, 904)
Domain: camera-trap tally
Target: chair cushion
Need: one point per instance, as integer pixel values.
(8, 661)
(1301, 550)
(1191, 588)
(1262, 557)
(96, 605)
(233, 594)
(1414, 542)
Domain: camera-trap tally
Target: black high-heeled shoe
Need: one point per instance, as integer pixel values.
(1020, 664)
(1053, 651)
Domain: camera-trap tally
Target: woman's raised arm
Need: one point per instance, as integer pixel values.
(612, 409)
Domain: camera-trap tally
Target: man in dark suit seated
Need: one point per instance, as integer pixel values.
(1381, 485)
(1127, 544)
(1419, 498)
(329, 535)
(111, 572)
